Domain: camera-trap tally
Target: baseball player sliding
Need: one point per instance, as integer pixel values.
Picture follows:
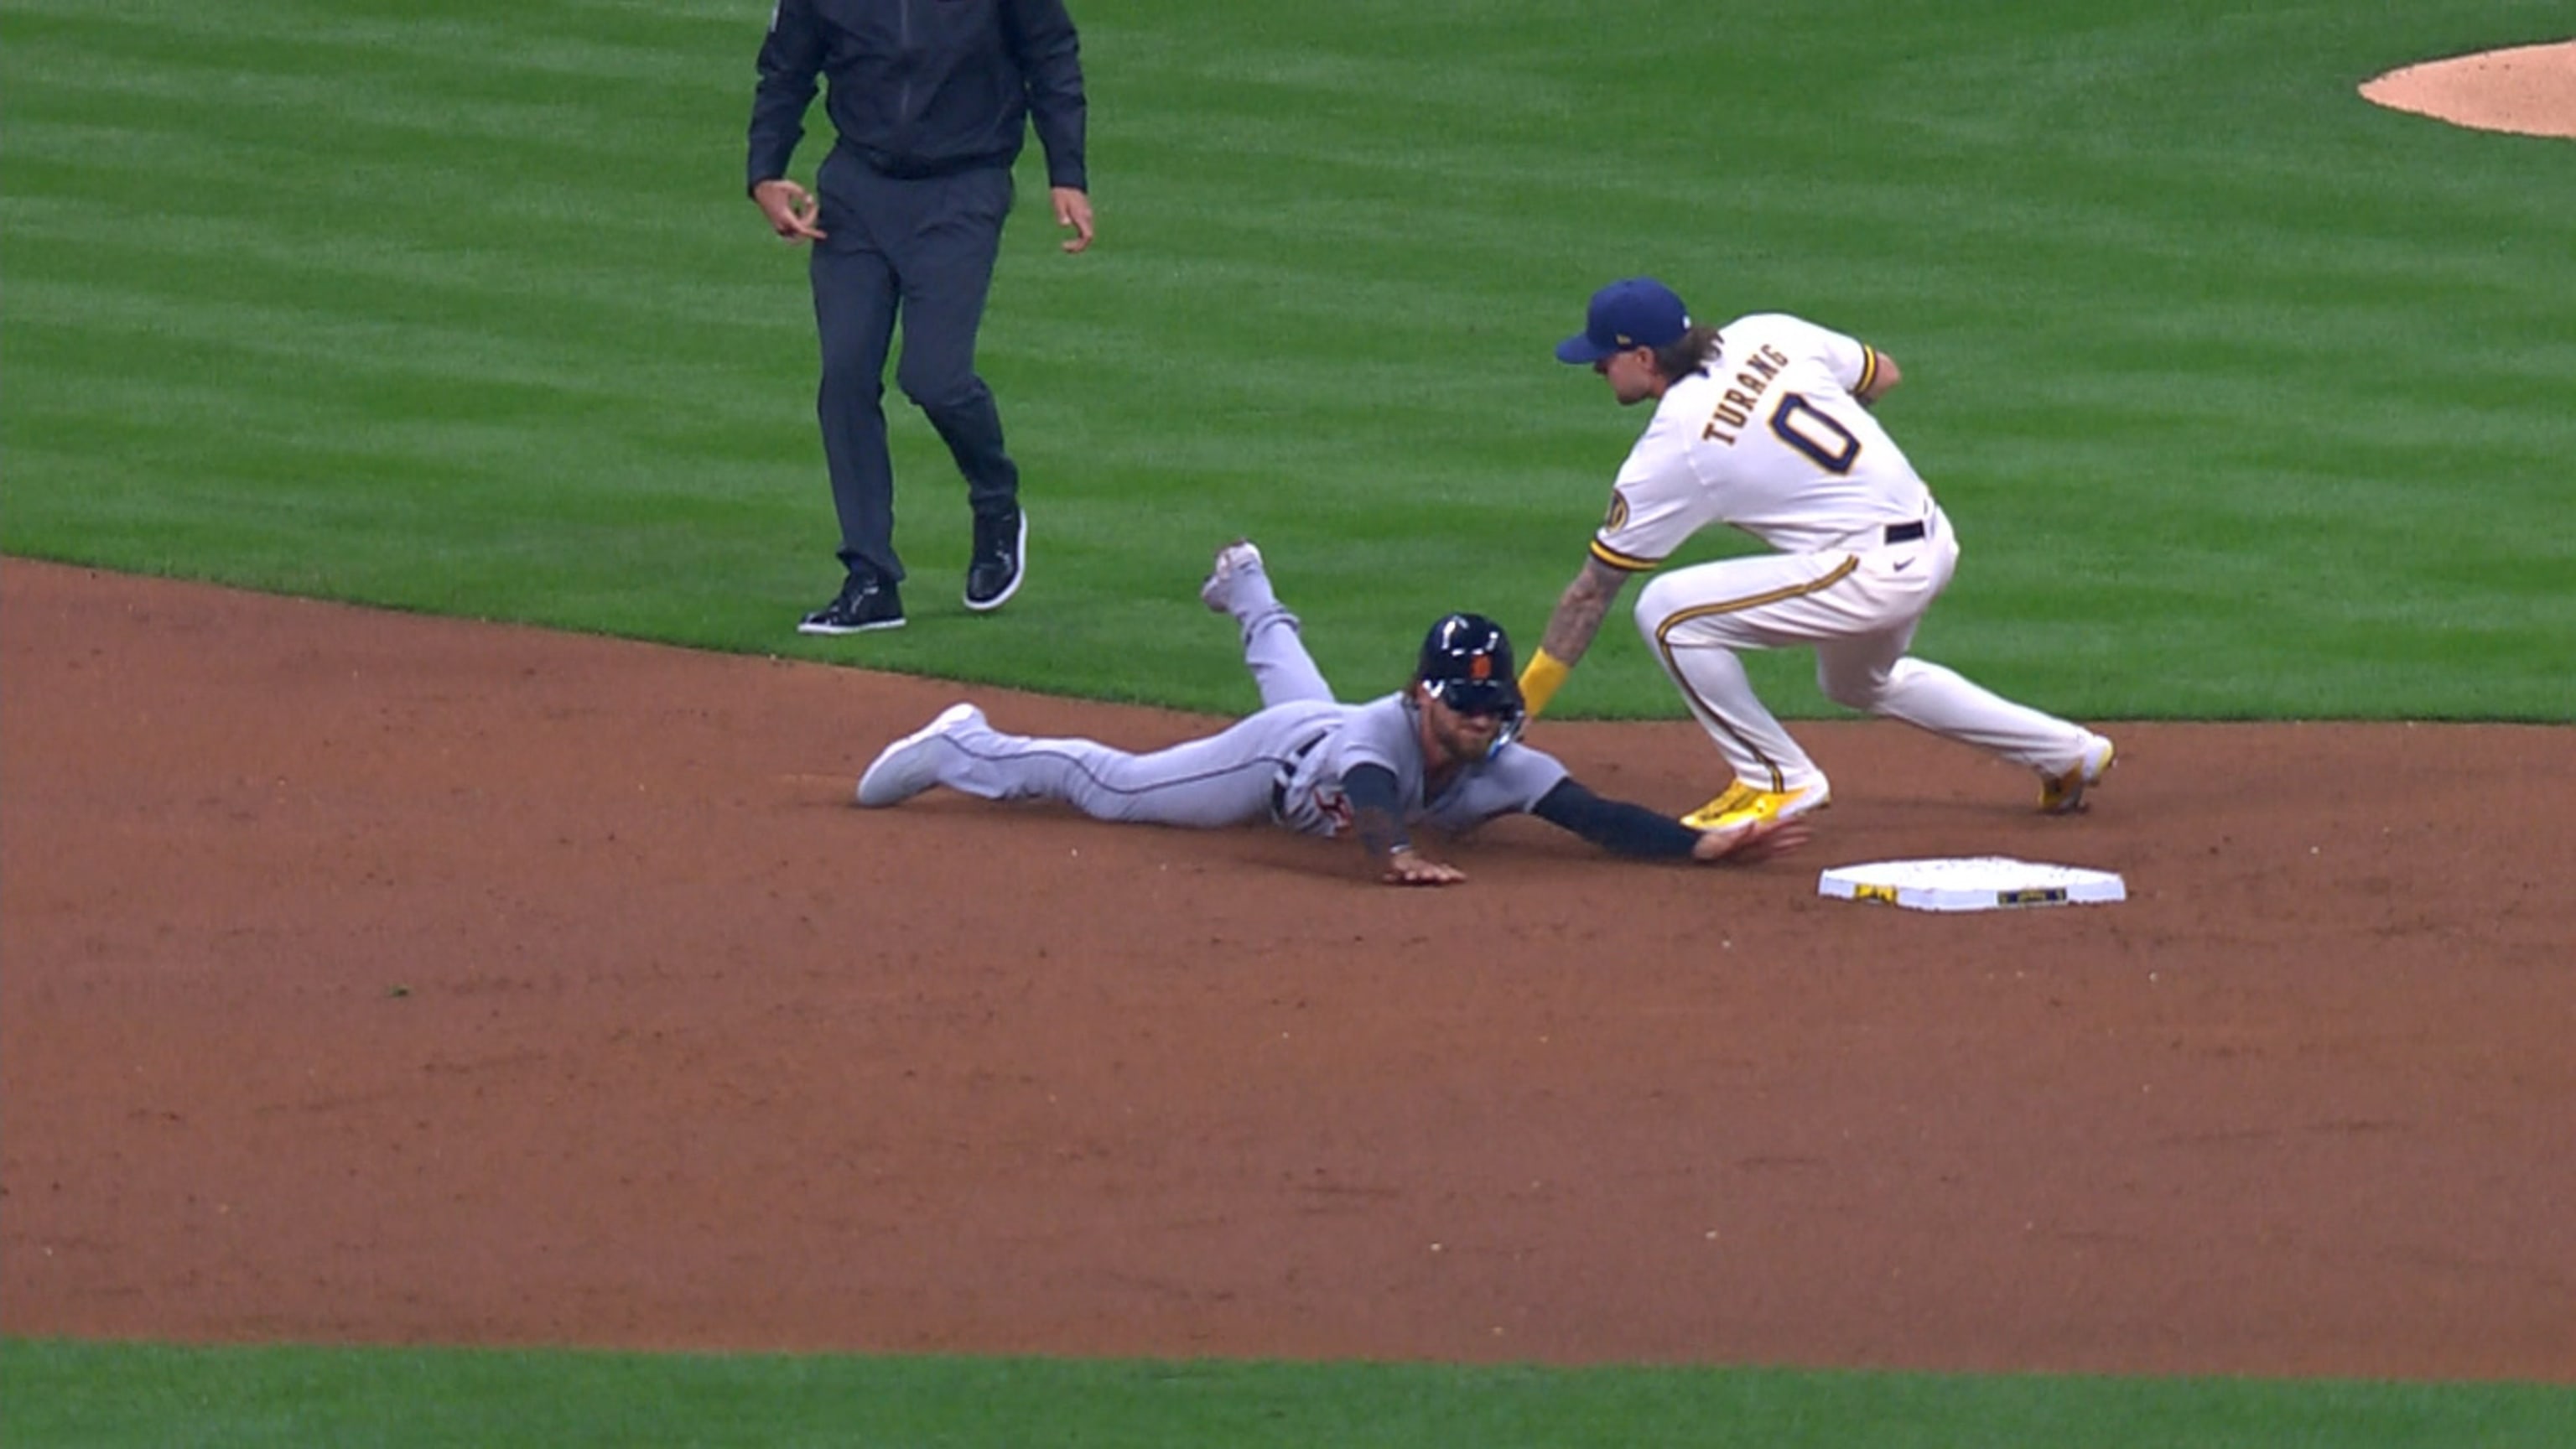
(1765, 424)
(1443, 753)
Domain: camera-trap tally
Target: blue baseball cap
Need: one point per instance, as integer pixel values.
(1636, 312)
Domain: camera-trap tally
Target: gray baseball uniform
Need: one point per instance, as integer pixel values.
(1285, 763)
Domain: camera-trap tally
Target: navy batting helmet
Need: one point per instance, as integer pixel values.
(1467, 665)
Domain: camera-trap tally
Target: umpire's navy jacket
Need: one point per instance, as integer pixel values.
(923, 87)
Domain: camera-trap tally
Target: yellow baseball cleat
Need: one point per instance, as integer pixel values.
(2063, 793)
(1744, 804)
(1736, 797)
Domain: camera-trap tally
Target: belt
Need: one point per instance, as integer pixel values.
(1904, 532)
(1288, 773)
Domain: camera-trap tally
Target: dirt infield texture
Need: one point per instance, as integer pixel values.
(381, 978)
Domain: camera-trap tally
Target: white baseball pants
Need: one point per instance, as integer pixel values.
(1859, 608)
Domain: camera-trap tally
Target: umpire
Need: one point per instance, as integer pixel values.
(931, 100)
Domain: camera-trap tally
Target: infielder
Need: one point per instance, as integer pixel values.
(1765, 424)
(1443, 752)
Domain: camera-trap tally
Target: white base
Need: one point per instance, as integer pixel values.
(1977, 883)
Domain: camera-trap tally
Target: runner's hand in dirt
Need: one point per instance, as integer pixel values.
(1404, 868)
(1750, 844)
(1743, 845)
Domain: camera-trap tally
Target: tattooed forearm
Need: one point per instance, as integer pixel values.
(1579, 612)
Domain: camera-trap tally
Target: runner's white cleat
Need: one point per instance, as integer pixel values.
(1232, 562)
(911, 765)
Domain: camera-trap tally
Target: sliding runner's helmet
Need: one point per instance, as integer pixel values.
(1467, 665)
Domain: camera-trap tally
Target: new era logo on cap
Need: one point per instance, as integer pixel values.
(1635, 312)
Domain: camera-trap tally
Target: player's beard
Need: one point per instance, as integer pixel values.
(1465, 748)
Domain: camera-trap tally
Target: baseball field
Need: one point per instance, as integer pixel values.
(445, 998)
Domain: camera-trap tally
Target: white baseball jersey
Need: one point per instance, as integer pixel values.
(1769, 438)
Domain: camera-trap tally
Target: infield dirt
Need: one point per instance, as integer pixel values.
(381, 978)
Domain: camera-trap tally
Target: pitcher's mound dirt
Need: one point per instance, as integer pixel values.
(2530, 90)
(381, 978)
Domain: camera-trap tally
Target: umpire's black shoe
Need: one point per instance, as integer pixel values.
(864, 603)
(1001, 559)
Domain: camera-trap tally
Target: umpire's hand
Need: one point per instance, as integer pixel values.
(790, 209)
(1073, 213)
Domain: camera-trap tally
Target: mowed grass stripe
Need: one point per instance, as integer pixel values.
(110, 1397)
(2129, 276)
(344, 376)
(480, 44)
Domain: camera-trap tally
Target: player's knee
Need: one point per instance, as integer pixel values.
(1658, 601)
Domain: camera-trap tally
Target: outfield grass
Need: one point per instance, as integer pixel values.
(290, 1398)
(2250, 399)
